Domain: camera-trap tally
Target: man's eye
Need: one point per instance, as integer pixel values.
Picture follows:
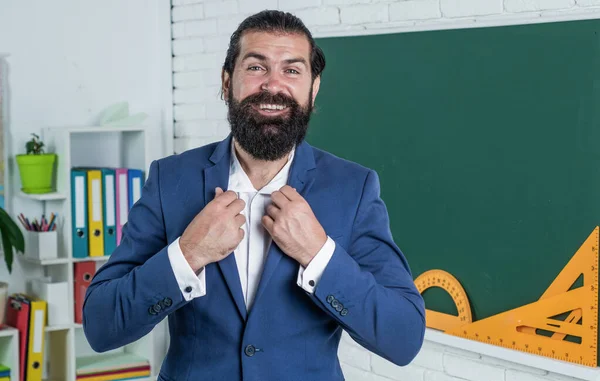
(293, 71)
(254, 68)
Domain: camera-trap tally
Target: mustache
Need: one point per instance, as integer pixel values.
(268, 98)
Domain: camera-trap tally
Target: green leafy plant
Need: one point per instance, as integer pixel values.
(35, 146)
(12, 237)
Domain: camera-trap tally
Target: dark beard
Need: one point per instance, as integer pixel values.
(263, 137)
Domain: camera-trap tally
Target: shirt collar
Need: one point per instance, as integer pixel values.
(240, 182)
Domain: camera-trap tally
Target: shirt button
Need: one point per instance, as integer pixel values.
(250, 350)
(311, 283)
(188, 289)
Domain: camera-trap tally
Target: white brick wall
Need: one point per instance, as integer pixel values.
(201, 31)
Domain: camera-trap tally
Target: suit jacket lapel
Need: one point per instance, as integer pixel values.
(301, 177)
(218, 176)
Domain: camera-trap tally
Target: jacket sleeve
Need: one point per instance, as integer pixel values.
(136, 288)
(369, 289)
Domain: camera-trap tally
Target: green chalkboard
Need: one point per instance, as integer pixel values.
(486, 144)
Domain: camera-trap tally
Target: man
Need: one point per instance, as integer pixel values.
(260, 249)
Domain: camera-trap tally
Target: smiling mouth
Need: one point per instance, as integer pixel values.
(270, 109)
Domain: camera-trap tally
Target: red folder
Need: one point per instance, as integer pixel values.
(84, 272)
(17, 316)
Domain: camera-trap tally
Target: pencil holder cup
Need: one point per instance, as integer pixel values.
(41, 245)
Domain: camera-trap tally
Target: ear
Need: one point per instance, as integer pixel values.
(225, 82)
(315, 87)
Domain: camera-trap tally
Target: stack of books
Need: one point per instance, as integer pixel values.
(4, 373)
(112, 366)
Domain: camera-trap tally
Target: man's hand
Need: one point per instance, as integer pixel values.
(293, 226)
(215, 232)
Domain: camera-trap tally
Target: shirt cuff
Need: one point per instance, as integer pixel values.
(191, 285)
(309, 278)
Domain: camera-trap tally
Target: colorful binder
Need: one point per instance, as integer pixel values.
(79, 205)
(4, 372)
(17, 316)
(95, 219)
(136, 182)
(116, 365)
(109, 210)
(83, 274)
(35, 348)
(122, 199)
(121, 376)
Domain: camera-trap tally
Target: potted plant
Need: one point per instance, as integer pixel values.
(11, 237)
(36, 167)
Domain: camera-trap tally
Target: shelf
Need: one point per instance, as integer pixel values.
(45, 262)
(6, 330)
(93, 259)
(43, 196)
(62, 327)
(61, 261)
(541, 362)
(101, 129)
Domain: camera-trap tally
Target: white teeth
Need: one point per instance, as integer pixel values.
(271, 107)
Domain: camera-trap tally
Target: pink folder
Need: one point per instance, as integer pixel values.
(122, 200)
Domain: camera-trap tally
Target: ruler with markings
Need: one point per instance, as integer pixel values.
(444, 280)
(562, 324)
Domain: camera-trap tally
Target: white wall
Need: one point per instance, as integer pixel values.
(201, 31)
(68, 60)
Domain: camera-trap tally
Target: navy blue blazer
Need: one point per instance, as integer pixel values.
(367, 288)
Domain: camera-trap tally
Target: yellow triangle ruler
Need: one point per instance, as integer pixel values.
(539, 327)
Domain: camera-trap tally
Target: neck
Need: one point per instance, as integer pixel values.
(260, 172)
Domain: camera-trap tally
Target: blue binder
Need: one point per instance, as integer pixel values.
(109, 210)
(136, 182)
(79, 213)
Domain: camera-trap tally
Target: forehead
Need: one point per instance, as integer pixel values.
(275, 45)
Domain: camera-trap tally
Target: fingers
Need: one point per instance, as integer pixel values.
(273, 211)
(268, 222)
(240, 220)
(218, 191)
(290, 193)
(236, 206)
(225, 198)
(279, 199)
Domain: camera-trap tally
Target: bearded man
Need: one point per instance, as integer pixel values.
(260, 249)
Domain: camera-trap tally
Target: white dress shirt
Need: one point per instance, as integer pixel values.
(251, 253)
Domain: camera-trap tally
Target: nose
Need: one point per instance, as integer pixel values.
(273, 83)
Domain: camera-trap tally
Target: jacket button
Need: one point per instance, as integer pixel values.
(157, 308)
(344, 312)
(151, 310)
(250, 350)
(339, 307)
(335, 303)
(330, 299)
(168, 302)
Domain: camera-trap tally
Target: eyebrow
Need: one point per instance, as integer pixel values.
(261, 57)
